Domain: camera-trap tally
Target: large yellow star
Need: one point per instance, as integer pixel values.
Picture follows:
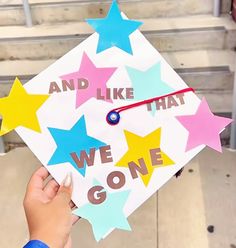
(19, 109)
(139, 148)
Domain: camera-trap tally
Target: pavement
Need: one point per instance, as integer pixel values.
(198, 210)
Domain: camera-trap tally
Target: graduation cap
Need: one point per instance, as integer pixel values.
(116, 115)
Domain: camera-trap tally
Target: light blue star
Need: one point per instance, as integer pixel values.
(153, 111)
(148, 84)
(107, 215)
(113, 30)
(73, 140)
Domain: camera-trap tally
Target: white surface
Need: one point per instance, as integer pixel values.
(59, 112)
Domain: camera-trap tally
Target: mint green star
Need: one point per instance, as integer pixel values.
(148, 84)
(107, 215)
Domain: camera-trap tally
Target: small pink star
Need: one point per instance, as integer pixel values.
(97, 78)
(204, 127)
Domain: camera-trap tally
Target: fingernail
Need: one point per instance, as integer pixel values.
(68, 180)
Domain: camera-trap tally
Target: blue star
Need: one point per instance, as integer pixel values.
(114, 30)
(73, 140)
(148, 84)
(107, 215)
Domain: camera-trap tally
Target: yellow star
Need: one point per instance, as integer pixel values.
(19, 109)
(145, 153)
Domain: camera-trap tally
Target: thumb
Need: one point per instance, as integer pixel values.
(64, 193)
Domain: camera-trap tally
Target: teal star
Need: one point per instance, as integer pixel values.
(153, 111)
(113, 30)
(74, 140)
(148, 84)
(107, 215)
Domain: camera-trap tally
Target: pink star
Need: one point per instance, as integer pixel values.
(204, 127)
(97, 78)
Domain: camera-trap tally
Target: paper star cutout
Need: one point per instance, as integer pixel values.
(107, 215)
(139, 147)
(74, 140)
(204, 127)
(97, 78)
(148, 84)
(20, 109)
(114, 30)
(153, 109)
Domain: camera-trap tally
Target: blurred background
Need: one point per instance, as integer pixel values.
(198, 39)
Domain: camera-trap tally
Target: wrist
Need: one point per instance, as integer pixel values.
(36, 244)
(44, 239)
(50, 239)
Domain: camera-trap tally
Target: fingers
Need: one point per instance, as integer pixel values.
(72, 205)
(64, 193)
(37, 179)
(51, 188)
(75, 219)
